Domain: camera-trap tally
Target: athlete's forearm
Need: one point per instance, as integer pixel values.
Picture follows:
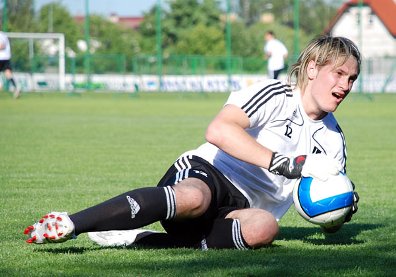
(227, 131)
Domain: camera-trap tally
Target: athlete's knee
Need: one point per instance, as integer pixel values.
(265, 232)
(259, 227)
(193, 197)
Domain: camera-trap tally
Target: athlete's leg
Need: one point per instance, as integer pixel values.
(9, 76)
(276, 73)
(208, 228)
(193, 198)
(241, 229)
(143, 206)
(175, 199)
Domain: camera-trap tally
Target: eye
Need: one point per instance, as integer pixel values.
(352, 79)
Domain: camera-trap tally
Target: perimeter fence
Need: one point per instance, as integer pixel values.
(378, 74)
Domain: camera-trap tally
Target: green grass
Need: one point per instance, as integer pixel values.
(64, 153)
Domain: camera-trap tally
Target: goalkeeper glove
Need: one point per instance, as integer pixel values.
(288, 167)
(317, 166)
(354, 207)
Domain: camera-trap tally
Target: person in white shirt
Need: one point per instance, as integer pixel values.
(231, 191)
(276, 53)
(5, 62)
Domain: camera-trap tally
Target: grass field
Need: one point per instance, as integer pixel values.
(64, 153)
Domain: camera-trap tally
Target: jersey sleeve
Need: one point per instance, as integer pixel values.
(261, 102)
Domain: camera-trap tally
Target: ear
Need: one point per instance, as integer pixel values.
(312, 70)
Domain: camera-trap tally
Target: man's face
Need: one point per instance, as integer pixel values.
(332, 84)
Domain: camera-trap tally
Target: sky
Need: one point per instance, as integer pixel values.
(103, 7)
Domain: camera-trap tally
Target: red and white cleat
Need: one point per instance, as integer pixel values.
(53, 227)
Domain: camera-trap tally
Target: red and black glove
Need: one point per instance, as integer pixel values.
(288, 167)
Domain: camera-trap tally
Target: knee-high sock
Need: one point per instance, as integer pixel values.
(130, 210)
(162, 240)
(225, 233)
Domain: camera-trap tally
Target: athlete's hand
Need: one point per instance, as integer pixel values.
(317, 166)
(320, 167)
(289, 167)
(354, 207)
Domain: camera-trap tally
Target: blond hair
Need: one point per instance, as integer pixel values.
(323, 50)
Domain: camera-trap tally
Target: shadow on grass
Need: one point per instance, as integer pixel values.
(345, 236)
(67, 250)
(277, 260)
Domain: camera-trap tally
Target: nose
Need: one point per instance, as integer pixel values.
(344, 83)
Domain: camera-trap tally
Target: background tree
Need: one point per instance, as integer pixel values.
(20, 15)
(55, 18)
(184, 15)
(187, 26)
(314, 14)
(201, 40)
(112, 39)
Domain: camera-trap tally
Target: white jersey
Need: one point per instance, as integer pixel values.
(277, 51)
(5, 49)
(278, 122)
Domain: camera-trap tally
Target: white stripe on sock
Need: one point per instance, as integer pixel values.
(170, 202)
(237, 235)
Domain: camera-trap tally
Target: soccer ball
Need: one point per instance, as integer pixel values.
(324, 203)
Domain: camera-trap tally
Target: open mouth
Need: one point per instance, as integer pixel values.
(338, 95)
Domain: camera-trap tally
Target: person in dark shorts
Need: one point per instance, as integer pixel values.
(5, 62)
(231, 191)
(275, 52)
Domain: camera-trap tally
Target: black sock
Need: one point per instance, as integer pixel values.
(225, 233)
(162, 240)
(130, 210)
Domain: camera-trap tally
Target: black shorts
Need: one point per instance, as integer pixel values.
(225, 197)
(5, 64)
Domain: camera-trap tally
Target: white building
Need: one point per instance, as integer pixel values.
(371, 24)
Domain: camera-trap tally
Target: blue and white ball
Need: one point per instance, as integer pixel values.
(325, 203)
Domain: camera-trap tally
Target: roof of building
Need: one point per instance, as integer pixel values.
(131, 22)
(384, 9)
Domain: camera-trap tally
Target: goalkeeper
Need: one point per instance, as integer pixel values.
(231, 191)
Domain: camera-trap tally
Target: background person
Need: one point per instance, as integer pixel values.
(231, 191)
(5, 62)
(276, 53)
